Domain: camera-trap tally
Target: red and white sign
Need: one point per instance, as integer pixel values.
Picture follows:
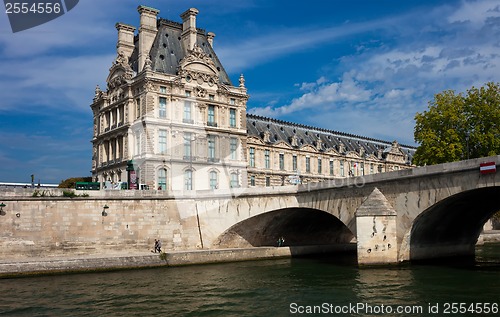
(487, 168)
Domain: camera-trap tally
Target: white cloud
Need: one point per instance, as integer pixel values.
(382, 88)
(475, 12)
(285, 41)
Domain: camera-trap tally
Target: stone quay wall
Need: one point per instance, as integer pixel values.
(54, 226)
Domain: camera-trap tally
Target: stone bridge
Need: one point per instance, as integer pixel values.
(415, 214)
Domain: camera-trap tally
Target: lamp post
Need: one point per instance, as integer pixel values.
(104, 213)
(467, 134)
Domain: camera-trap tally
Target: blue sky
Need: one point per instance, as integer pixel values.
(358, 66)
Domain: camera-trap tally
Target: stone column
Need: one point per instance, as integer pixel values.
(376, 231)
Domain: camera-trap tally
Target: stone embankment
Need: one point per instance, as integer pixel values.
(489, 236)
(105, 262)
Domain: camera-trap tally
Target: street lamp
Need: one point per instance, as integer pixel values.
(467, 134)
(104, 213)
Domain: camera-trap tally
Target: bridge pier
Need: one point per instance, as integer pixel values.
(376, 231)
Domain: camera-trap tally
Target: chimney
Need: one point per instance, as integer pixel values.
(147, 33)
(189, 28)
(125, 42)
(210, 38)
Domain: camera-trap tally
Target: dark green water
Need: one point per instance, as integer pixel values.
(260, 288)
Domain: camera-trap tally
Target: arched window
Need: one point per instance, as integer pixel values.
(188, 180)
(162, 179)
(213, 180)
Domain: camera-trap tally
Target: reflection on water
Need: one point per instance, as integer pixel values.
(260, 288)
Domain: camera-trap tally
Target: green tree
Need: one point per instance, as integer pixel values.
(458, 126)
(70, 182)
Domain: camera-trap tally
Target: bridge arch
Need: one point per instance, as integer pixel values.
(299, 226)
(452, 226)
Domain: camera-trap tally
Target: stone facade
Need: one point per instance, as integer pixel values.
(171, 111)
(284, 153)
(170, 108)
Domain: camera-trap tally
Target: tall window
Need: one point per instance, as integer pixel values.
(362, 168)
(162, 141)
(342, 172)
(252, 180)
(213, 180)
(163, 89)
(233, 145)
(308, 165)
(232, 101)
(294, 163)
(188, 180)
(331, 167)
(211, 147)
(162, 179)
(268, 181)
(267, 163)
(187, 112)
(187, 145)
(234, 180)
(211, 115)
(232, 118)
(137, 108)
(320, 167)
(138, 143)
(162, 107)
(371, 168)
(282, 161)
(252, 157)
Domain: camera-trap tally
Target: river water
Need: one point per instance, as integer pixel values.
(332, 286)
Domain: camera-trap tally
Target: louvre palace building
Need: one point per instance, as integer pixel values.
(171, 119)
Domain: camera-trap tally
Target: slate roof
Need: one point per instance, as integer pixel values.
(284, 131)
(167, 50)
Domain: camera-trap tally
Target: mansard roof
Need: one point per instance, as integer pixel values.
(168, 50)
(298, 135)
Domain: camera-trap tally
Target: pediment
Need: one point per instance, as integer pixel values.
(196, 63)
(199, 67)
(308, 148)
(352, 154)
(282, 144)
(255, 140)
(118, 75)
(372, 157)
(332, 151)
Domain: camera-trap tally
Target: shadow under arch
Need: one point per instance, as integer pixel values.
(452, 226)
(299, 227)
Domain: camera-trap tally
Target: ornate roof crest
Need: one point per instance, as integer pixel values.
(197, 55)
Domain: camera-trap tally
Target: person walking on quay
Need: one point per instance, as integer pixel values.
(158, 246)
(281, 241)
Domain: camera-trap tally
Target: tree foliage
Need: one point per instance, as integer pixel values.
(70, 182)
(459, 126)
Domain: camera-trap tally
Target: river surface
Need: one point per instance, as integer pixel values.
(332, 286)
